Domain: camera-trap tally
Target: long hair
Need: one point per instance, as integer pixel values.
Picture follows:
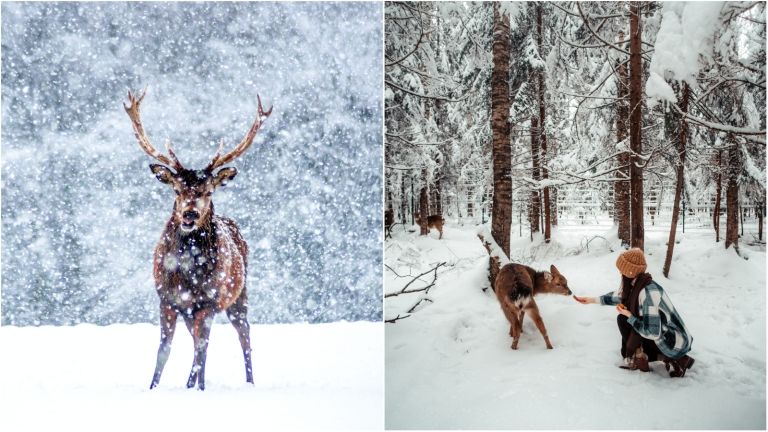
(625, 288)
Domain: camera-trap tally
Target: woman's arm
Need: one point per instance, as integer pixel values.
(609, 299)
(591, 300)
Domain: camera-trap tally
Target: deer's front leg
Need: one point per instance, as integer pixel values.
(201, 330)
(167, 329)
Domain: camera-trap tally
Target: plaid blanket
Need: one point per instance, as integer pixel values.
(658, 320)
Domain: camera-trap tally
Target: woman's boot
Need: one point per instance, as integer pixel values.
(639, 361)
(679, 366)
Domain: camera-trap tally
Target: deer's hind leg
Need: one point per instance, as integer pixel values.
(514, 322)
(238, 316)
(533, 311)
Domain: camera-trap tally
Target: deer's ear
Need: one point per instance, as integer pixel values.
(223, 176)
(553, 270)
(163, 173)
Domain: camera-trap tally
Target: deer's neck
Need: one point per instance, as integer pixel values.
(200, 242)
(193, 255)
(541, 280)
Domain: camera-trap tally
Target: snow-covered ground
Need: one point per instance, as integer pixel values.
(449, 364)
(89, 378)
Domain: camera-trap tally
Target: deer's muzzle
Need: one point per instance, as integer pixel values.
(188, 219)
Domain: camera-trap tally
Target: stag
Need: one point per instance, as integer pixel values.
(201, 259)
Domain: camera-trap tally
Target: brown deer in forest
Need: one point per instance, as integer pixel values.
(389, 220)
(201, 260)
(516, 285)
(434, 221)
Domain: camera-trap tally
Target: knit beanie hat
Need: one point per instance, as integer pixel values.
(631, 263)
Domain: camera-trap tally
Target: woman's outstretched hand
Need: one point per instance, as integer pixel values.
(585, 300)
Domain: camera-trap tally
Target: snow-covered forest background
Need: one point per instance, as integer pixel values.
(572, 73)
(81, 211)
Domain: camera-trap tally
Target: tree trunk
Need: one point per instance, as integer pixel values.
(682, 138)
(554, 206)
(423, 205)
(732, 196)
(437, 199)
(403, 200)
(542, 127)
(718, 194)
(621, 188)
(413, 204)
(637, 229)
(501, 216)
(741, 224)
(760, 211)
(535, 205)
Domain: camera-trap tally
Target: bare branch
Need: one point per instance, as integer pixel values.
(426, 288)
(395, 319)
(425, 96)
(415, 47)
(413, 308)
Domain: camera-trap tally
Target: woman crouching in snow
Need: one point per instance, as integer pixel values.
(651, 329)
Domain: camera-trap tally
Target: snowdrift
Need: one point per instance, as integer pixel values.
(322, 376)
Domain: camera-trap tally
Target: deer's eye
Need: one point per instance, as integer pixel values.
(208, 193)
(177, 192)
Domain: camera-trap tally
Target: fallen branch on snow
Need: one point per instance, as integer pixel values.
(413, 308)
(484, 234)
(395, 319)
(426, 288)
(498, 258)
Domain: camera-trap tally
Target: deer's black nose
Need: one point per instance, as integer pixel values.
(190, 215)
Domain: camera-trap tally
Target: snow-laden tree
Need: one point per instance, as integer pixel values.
(596, 139)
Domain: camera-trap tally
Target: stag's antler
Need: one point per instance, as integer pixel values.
(133, 112)
(219, 160)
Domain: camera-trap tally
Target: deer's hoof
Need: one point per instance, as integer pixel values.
(549, 347)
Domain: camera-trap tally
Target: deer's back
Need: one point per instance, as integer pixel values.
(515, 283)
(435, 221)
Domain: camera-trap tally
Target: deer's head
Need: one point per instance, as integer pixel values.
(193, 188)
(556, 283)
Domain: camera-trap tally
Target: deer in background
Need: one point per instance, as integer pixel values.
(515, 286)
(201, 260)
(433, 221)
